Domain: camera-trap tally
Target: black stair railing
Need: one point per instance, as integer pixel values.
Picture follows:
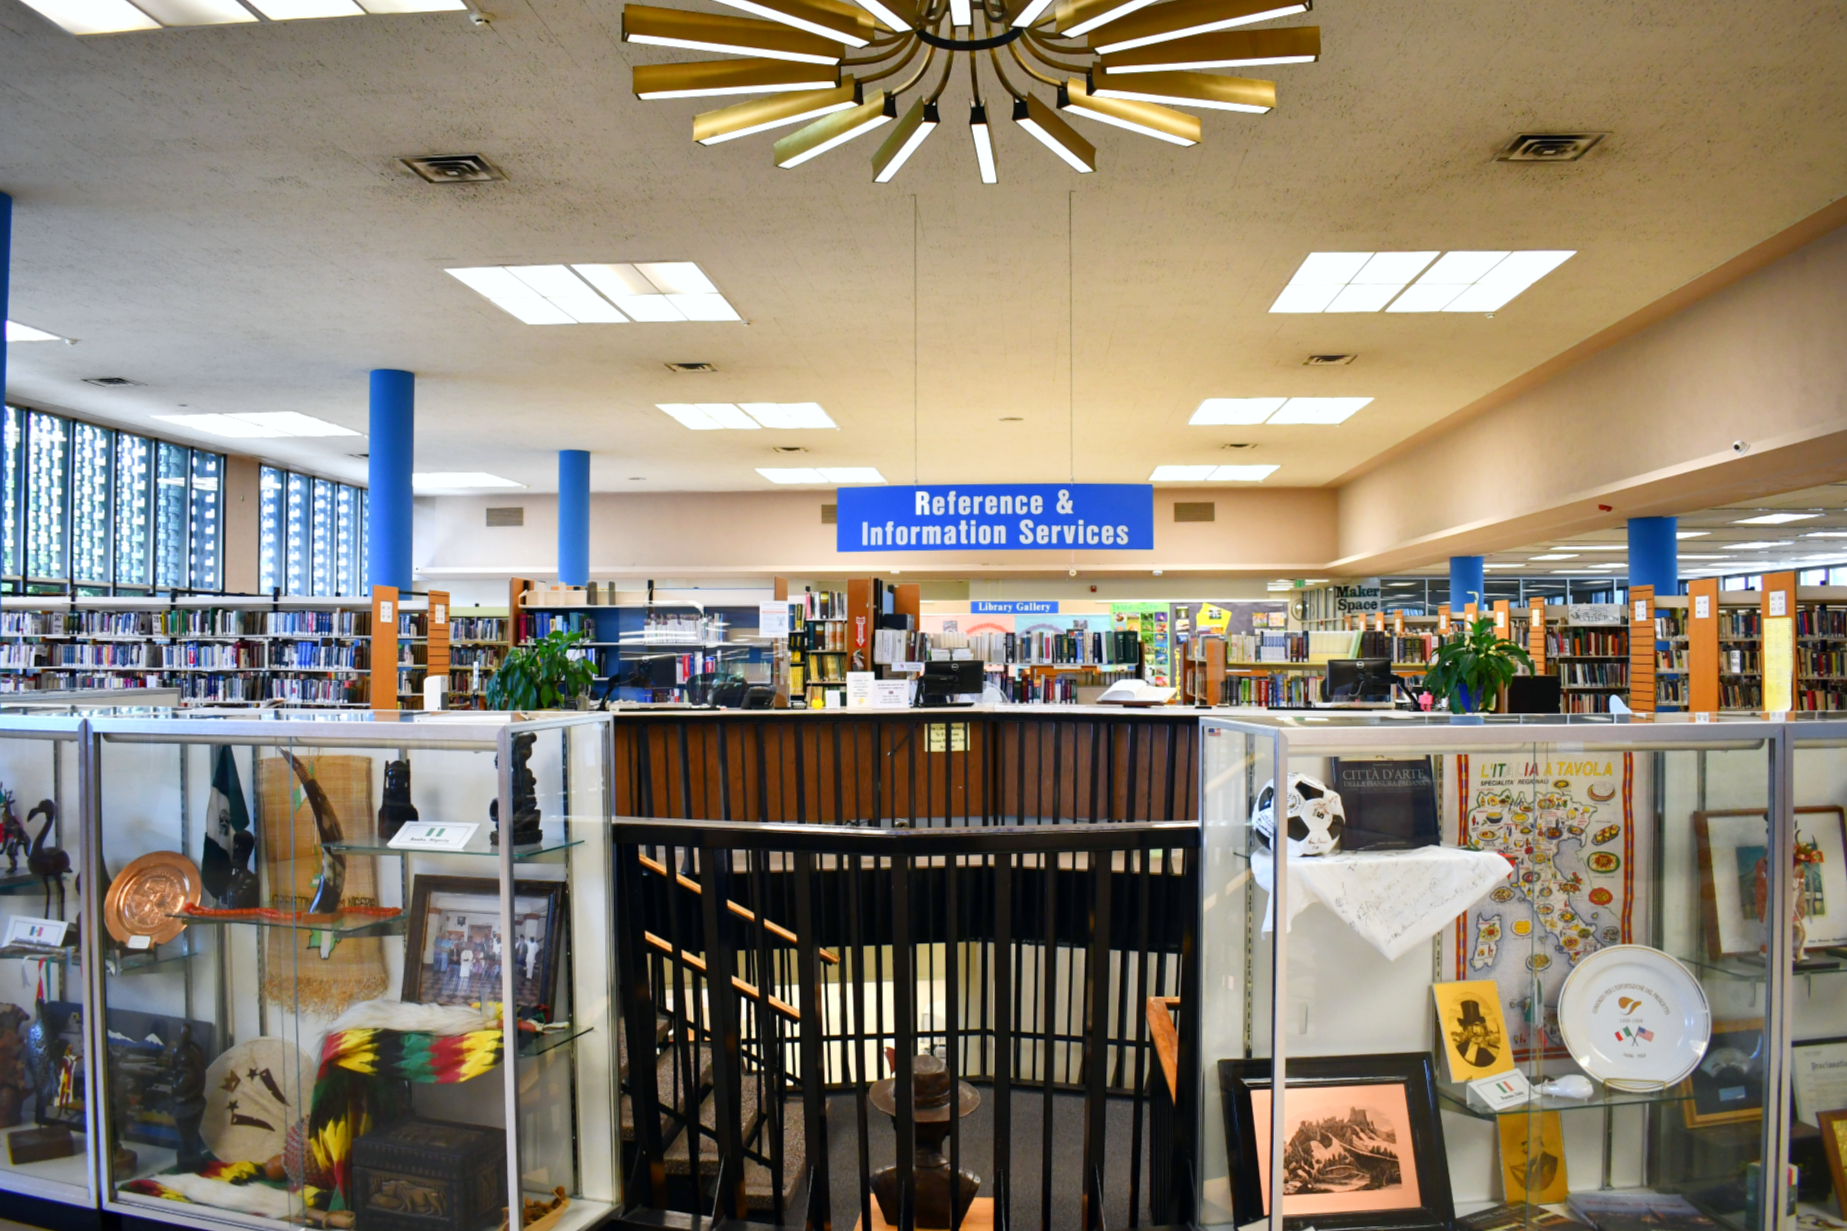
(780, 971)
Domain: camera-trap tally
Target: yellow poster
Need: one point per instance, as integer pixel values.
(1472, 1031)
(1779, 664)
(1213, 619)
(1533, 1158)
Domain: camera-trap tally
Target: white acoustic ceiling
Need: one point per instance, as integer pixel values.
(219, 215)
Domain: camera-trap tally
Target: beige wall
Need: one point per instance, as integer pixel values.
(242, 527)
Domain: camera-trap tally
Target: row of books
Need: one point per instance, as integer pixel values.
(896, 645)
(53, 681)
(1573, 642)
(531, 625)
(819, 637)
(1586, 702)
(1674, 658)
(477, 628)
(1814, 661)
(101, 654)
(1821, 622)
(1741, 622)
(1740, 661)
(1821, 698)
(220, 654)
(1074, 649)
(1601, 674)
(1293, 690)
(1043, 689)
(312, 689)
(821, 604)
(1670, 622)
(301, 654)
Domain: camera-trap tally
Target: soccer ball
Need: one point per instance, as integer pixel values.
(1316, 817)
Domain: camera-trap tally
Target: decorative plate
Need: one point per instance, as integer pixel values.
(149, 892)
(1634, 1018)
(254, 1094)
(1603, 862)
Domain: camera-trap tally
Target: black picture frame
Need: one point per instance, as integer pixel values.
(458, 982)
(1728, 1085)
(1412, 1071)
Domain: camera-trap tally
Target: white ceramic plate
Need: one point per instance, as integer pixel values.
(1634, 1018)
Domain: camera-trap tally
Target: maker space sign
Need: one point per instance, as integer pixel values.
(1008, 517)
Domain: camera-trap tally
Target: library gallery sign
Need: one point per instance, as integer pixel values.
(1008, 516)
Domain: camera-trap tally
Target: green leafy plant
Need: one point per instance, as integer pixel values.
(542, 675)
(1472, 669)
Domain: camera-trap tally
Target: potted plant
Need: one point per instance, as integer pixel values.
(542, 675)
(1470, 670)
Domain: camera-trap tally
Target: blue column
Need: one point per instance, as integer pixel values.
(573, 517)
(1465, 584)
(388, 507)
(1654, 553)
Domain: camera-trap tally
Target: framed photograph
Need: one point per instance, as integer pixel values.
(1731, 864)
(1473, 1030)
(1818, 1077)
(1834, 1141)
(1533, 1158)
(1363, 1149)
(1728, 1086)
(455, 950)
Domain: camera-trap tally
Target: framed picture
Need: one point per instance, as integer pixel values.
(1834, 1141)
(1728, 1086)
(455, 951)
(1731, 854)
(1363, 1146)
(1818, 1077)
(1473, 1031)
(1533, 1158)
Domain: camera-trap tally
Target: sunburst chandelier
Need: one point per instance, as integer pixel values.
(840, 70)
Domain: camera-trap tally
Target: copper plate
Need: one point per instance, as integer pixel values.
(147, 895)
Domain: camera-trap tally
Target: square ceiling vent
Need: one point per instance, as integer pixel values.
(1549, 147)
(453, 168)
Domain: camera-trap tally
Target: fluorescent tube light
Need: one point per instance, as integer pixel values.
(827, 18)
(1031, 13)
(1762, 546)
(1242, 474)
(411, 6)
(1691, 534)
(457, 480)
(658, 27)
(1686, 557)
(1495, 568)
(94, 16)
(1318, 410)
(920, 120)
(1181, 474)
(16, 332)
(305, 10)
(788, 414)
(1054, 134)
(568, 293)
(961, 14)
(1231, 49)
(1076, 18)
(762, 114)
(1826, 534)
(1235, 412)
(823, 474)
(983, 137)
(1208, 91)
(1590, 547)
(1556, 556)
(257, 425)
(1181, 18)
(1775, 519)
(717, 78)
(1148, 119)
(892, 14)
(832, 131)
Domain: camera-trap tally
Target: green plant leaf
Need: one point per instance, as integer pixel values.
(542, 675)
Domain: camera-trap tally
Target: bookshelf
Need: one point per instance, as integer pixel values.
(1590, 649)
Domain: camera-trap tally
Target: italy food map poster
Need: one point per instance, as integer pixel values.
(1567, 824)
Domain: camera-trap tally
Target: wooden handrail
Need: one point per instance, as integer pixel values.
(1166, 1038)
(736, 908)
(749, 989)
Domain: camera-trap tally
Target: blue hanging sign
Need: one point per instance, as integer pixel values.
(1013, 607)
(998, 516)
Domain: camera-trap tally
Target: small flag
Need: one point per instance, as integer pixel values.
(1620, 1038)
(1647, 1036)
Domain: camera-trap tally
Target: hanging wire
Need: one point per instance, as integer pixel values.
(916, 226)
(1071, 328)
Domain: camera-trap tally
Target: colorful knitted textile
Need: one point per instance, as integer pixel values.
(359, 1068)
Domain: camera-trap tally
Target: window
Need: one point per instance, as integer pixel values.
(90, 450)
(13, 433)
(134, 516)
(311, 535)
(298, 528)
(269, 530)
(204, 549)
(47, 492)
(346, 523)
(323, 539)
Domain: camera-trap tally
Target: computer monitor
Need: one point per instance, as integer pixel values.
(1534, 694)
(1359, 679)
(943, 682)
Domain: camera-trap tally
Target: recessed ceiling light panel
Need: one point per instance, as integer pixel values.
(1245, 412)
(1371, 281)
(1211, 474)
(257, 425)
(1775, 519)
(601, 294)
(16, 332)
(457, 481)
(821, 474)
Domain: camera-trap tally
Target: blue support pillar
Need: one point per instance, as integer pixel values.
(392, 448)
(1654, 553)
(1465, 584)
(573, 517)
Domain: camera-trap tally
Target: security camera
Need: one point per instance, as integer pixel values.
(1157, 572)
(1739, 446)
(479, 19)
(1074, 572)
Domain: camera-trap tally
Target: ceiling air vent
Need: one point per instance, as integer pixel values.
(1328, 361)
(453, 168)
(1195, 510)
(1239, 444)
(112, 382)
(830, 515)
(513, 516)
(1549, 147)
(788, 449)
(692, 367)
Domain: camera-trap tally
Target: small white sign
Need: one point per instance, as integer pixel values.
(913, 668)
(140, 942)
(439, 614)
(1641, 610)
(1500, 621)
(39, 933)
(433, 836)
(1779, 602)
(891, 694)
(833, 699)
(1702, 606)
(384, 611)
(772, 619)
(1501, 1092)
(859, 690)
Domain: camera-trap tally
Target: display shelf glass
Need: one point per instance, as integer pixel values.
(1361, 997)
(412, 999)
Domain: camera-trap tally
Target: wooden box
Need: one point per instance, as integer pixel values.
(36, 1145)
(429, 1175)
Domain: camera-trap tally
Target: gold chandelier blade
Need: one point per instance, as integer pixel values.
(1184, 18)
(658, 27)
(894, 15)
(1232, 49)
(1049, 129)
(762, 114)
(1027, 13)
(831, 131)
(1206, 90)
(1075, 18)
(1148, 119)
(910, 132)
(716, 78)
(844, 23)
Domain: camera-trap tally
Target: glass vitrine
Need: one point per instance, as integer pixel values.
(45, 1109)
(1525, 975)
(1815, 1103)
(310, 926)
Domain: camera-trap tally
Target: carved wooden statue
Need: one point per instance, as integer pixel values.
(931, 1178)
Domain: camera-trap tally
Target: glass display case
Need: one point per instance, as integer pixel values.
(45, 1114)
(1815, 1036)
(309, 926)
(1526, 973)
